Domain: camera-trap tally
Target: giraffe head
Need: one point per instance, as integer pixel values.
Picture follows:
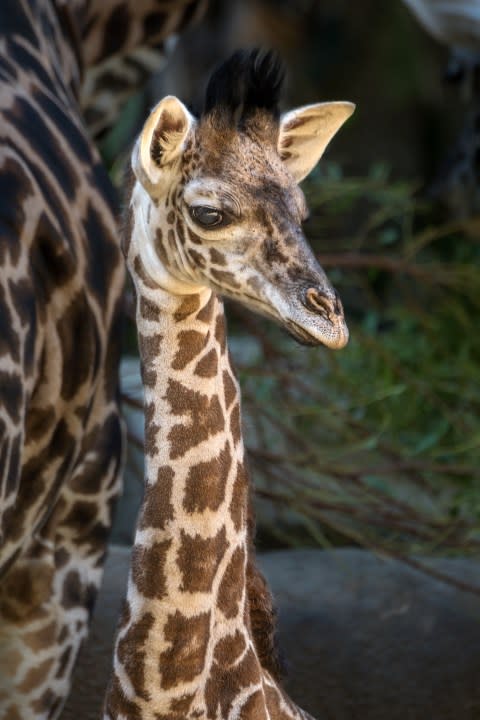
(220, 201)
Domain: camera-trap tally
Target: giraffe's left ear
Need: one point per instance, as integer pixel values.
(162, 140)
(305, 133)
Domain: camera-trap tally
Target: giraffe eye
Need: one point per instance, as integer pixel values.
(207, 217)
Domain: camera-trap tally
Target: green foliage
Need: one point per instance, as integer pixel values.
(378, 444)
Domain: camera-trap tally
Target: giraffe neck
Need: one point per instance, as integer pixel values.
(194, 508)
(185, 647)
(187, 591)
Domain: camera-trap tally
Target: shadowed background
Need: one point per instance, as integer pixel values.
(377, 445)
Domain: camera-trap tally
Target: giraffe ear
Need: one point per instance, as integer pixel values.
(162, 140)
(305, 133)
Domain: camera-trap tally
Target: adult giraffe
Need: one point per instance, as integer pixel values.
(61, 277)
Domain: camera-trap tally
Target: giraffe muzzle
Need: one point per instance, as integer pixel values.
(324, 321)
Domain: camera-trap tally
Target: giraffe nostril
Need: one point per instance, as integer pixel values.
(323, 304)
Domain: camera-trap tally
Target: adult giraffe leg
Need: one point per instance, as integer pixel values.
(47, 597)
(60, 286)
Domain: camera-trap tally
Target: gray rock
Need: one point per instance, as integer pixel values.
(364, 638)
(372, 639)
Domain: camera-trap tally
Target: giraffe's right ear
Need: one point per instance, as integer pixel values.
(162, 140)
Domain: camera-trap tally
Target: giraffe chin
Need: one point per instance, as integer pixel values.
(335, 337)
(322, 331)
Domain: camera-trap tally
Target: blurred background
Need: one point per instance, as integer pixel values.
(378, 445)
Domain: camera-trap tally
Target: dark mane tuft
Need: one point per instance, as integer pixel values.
(248, 81)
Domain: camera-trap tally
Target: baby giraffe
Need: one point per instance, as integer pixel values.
(215, 210)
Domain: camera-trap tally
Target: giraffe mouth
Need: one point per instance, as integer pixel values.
(300, 335)
(333, 336)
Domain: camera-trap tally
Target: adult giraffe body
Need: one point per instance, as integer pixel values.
(215, 209)
(61, 277)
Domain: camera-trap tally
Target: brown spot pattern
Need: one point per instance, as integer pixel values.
(148, 568)
(72, 594)
(205, 315)
(217, 257)
(148, 310)
(131, 654)
(272, 696)
(220, 332)
(229, 388)
(239, 497)
(188, 306)
(149, 350)
(224, 684)
(205, 484)
(77, 328)
(12, 713)
(157, 509)
(36, 676)
(198, 560)
(228, 649)
(262, 616)
(193, 237)
(272, 252)
(118, 705)
(197, 258)
(149, 345)
(233, 581)
(254, 707)
(42, 638)
(151, 430)
(207, 367)
(39, 421)
(185, 659)
(190, 344)
(24, 589)
(206, 418)
(236, 424)
(82, 516)
(225, 279)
